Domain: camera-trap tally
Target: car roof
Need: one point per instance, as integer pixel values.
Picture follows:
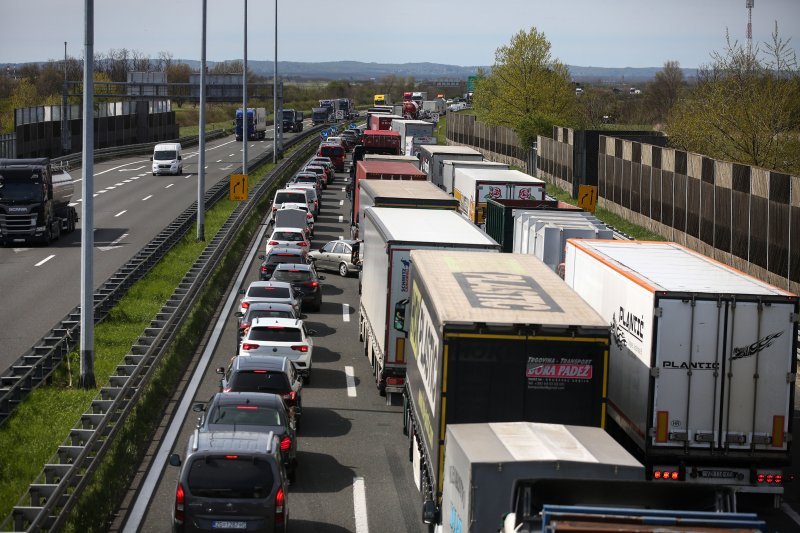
(233, 441)
(286, 250)
(260, 362)
(287, 228)
(273, 321)
(306, 174)
(294, 266)
(255, 398)
(346, 241)
(270, 306)
(268, 284)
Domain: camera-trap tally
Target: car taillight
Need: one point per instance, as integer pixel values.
(314, 284)
(180, 498)
(273, 243)
(286, 443)
(280, 502)
(290, 397)
(248, 346)
(263, 268)
(245, 305)
(302, 243)
(300, 348)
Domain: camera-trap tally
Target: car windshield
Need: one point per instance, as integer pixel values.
(268, 313)
(223, 477)
(332, 151)
(248, 415)
(260, 381)
(290, 197)
(275, 334)
(291, 275)
(165, 155)
(305, 179)
(290, 236)
(268, 292)
(278, 259)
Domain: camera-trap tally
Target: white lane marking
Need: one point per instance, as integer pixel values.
(343, 189)
(101, 192)
(170, 185)
(95, 195)
(142, 175)
(252, 145)
(341, 202)
(349, 376)
(341, 219)
(129, 169)
(360, 505)
(113, 244)
(126, 181)
(147, 197)
(231, 155)
(121, 213)
(206, 166)
(346, 312)
(120, 166)
(790, 512)
(135, 177)
(45, 260)
(120, 184)
(187, 176)
(73, 204)
(223, 144)
(17, 250)
(110, 188)
(220, 160)
(168, 441)
(79, 200)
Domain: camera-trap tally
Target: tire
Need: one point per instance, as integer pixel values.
(343, 270)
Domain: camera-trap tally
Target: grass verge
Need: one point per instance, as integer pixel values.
(43, 421)
(441, 130)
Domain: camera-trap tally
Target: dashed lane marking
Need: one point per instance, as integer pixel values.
(147, 197)
(349, 376)
(170, 185)
(346, 312)
(360, 505)
(121, 213)
(45, 260)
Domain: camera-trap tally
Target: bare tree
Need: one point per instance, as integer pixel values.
(662, 93)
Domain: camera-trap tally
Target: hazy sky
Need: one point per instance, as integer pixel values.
(611, 33)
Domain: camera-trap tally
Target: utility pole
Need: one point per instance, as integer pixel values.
(278, 125)
(244, 97)
(87, 379)
(201, 143)
(65, 133)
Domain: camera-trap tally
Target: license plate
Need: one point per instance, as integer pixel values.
(227, 524)
(717, 474)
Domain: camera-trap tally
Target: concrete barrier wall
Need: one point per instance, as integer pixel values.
(497, 143)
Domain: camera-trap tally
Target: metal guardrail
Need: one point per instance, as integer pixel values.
(55, 491)
(36, 364)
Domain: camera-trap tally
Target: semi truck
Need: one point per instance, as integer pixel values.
(382, 99)
(500, 215)
(494, 337)
(703, 361)
(381, 142)
(473, 187)
(256, 123)
(381, 121)
(345, 105)
(449, 167)
(319, 115)
(389, 235)
(409, 129)
(35, 200)
(379, 170)
(483, 462)
(292, 120)
(433, 157)
(396, 158)
(405, 193)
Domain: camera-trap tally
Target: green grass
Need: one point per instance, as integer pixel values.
(42, 422)
(441, 130)
(621, 224)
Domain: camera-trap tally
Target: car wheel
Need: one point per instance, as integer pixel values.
(343, 271)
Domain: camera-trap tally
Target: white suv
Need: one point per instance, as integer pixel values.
(286, 337)
(289, 238)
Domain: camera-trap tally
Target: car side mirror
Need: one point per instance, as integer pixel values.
(198, 407)
(241, 291)
(400, 315)
(175, 460)
(220, 370)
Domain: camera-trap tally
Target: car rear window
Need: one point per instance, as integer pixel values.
(248, 415)
(268, 292)
(290, 236)
(290, 197)
(277, 259)
(261, 381)
(268, 313)
(332, 151)
(221, 477)
(275, 334)
(291, 275)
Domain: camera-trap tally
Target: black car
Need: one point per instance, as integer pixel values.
(252, 411)
(265, 373)
(261, 310)
(303, 278)
(277, 256)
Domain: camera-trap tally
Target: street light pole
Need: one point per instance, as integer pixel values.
(278, 123)
(201, 160)
(87, 379)
(244, 97)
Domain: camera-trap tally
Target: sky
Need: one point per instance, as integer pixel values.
(611, 33)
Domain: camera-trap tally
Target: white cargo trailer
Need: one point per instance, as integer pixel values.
(703, 361)
(412, 128)
(550, 240)
(394, 158)
(389, 236)
(449, 167)
(433, 157)
(472, 187)
(527, 223)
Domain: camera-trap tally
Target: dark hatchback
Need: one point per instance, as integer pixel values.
(278, 256)
(304, 278)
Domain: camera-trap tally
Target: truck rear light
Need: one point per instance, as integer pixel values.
(395, 381)
(662, 419)
(280, 501)
(667, 473)
(777, 431)
(300, 348)
(180, 499)
(248, 346)
(771, 477)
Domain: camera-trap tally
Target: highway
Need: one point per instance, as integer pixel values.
(353, 470)
(41, 284)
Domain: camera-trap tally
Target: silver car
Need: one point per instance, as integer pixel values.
(340, 255)
(270, 291)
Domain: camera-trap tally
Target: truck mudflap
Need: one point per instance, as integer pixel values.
(417, 456)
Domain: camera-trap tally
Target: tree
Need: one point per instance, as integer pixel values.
(745, 108)
(662, 93)
(528, 90)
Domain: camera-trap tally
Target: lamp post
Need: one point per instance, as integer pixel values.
(87, 378)
(278, 124)
(201, 159)
(244, 97)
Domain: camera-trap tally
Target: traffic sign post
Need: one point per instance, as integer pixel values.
(238, 190)
(587, 197)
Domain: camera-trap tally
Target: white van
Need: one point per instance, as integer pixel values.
(167, 159)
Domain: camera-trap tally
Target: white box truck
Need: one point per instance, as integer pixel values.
(411, 128)
(432, 159)
(526, 223)
(702, 363)
(449, 167)
(472, 187)
(389, 235)
(482, 462)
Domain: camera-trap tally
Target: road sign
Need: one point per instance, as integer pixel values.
(238, 189)
(353, 125)
(471, 83)
(587, 197)
(325, 134)
(340, 114)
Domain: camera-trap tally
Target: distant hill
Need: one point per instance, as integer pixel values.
(357, 70)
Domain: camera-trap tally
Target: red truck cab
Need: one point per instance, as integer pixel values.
(336, 154)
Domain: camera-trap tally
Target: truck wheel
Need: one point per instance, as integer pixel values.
(343, 271)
